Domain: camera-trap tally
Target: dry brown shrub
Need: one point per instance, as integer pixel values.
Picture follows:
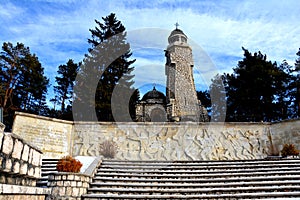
(108, 149)
(68, 164)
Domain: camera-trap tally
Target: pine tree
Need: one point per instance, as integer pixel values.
(297, 81)
(23, 85)
(65, 83)
(254, 90)
(109, 57)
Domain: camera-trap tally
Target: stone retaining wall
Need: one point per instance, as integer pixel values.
(65, 185)
(158, 141)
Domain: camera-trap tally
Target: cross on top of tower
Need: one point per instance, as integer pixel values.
(154, 84)
(176, 25)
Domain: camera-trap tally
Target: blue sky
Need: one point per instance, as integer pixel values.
(58, 30)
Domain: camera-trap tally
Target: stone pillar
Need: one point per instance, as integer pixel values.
(66, 185)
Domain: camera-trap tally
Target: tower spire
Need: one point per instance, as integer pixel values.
(176, 25)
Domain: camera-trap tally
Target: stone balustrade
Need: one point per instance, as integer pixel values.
(20, 162)
(66, 185)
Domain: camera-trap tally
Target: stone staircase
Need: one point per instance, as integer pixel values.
(48, 166)
(244, 179)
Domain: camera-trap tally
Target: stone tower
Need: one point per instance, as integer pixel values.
(182, 101)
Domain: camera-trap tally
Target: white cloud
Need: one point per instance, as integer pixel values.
(57, 31)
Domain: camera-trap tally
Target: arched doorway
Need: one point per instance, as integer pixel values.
(158, 115)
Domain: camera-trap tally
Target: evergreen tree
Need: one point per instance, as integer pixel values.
(64, 89)
(218, 99)
(297, 83)
(109, 57)
(214, 99)
(255, 89)
(23, 85)
(204, 97)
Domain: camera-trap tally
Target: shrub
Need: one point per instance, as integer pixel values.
(68, 164)
(289, 150)
(108, 149)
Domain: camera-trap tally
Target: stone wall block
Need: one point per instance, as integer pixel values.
(75, 192)
(73, 184)
(37, 172)
(30, 170)
(79, 184)
(82, 191)
(85, 185)
(69, 191)
(36, 159)
(25, 153)
(8, 165)
(16, 167)
(10, 180)
(67, 183)
(62, 191)
(18, 181)
(2, 178)
(24, 168)
(17, 151)
(8, 144)
(30, 155)
(60, 183)
(70, 177)
(55, 191)
(77, 178)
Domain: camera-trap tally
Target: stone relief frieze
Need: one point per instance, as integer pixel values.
(174, 143)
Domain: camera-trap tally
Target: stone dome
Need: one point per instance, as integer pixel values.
(177, 35)
(176, 31)
(154, 96)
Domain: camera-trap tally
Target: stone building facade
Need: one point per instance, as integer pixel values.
(152, 107)
(181, 102)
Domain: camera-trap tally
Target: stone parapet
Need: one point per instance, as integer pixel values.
(17, 192)
(20, 162)
(65, 185)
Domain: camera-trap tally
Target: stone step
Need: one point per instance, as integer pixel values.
(48, 166)
(207, 190)
(250, 179)
(46, 173)
(272, 195)
(204, 175)
(199, 163)
(52, 161)
(196, 180)
(195, 171)
(182, 167)
(116, 184)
